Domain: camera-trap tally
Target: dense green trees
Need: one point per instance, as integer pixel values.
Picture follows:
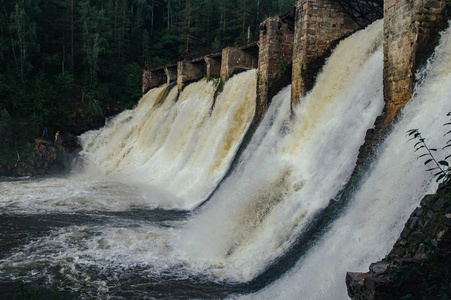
(50, 50)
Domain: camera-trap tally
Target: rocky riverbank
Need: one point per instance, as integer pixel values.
(43, 157)
(419, 265)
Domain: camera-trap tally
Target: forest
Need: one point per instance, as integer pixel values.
(67, 64)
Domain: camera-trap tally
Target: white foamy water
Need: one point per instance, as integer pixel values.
(102, 228)
(183, 147)
(292, 169)
(387, 196)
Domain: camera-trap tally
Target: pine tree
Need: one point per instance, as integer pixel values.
(23, 33)
(95, 35)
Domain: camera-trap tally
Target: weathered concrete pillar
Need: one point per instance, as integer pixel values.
(319, 26)
(274, 61)
(234, 60)
(152, 79)
(213, 66)
(188, 72)
(146, 81)
(410, 34)
(171, 74)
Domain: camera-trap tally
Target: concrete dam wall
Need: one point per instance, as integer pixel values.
(292, 49)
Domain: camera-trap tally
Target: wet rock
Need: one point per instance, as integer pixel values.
(421, 252)
(418, 211)
(46, 158)
(437, 205)
(419, 265)
(379, 267)
(425, 201)
(412, 223)
(355, 283)
(430, 228)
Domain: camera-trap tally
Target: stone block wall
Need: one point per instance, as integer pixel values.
(274, 61)
(213, 66)
(152, 79)
(411, 30)
(171, 74)
(410, 33)
(188, 72)
(319, 26)
(235, 60)
(146, 81)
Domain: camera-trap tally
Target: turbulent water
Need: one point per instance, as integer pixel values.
(125, 224)
(183, 144)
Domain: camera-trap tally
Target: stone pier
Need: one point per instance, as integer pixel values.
(236, 60)
(188, 72)
(295, 46)
(319, 26)
(213, 66)
(410, 35)
(152, 79)
(171, 74)
(274, 64)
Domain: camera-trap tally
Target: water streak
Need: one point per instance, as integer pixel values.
(292, 169)
(181, 145)
(103, 229)
(390, 191)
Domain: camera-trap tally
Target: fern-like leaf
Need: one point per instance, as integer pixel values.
(444, 163)
(440, 177)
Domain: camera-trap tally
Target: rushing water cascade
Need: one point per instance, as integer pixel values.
(386, 197)
(117, 228)
(296, 168)
(182, 145)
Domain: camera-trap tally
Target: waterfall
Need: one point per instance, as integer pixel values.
(291, 169)
(390, 191)
(180, 143)
(126, 227)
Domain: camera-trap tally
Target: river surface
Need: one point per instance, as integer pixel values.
(158, 206)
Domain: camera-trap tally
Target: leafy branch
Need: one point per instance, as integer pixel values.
(441, 166)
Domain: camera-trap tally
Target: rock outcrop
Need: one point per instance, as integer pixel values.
(419, 265)
(44, 157)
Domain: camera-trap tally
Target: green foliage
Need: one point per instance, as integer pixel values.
(166, 47)
(23, 33)
(259, 78)
(94, 36)
(282, 66)
(217, 82)
(63, 82)
(50, 50)
(429, 275)
(90, 97)
(441, 167)
(132, 85)
(403, 274)
(302, 72)
(4, 118)
(427, 15)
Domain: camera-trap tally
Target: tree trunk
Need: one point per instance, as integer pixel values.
(188, 15)
(72, 35)
(151, 23)
(244, 21)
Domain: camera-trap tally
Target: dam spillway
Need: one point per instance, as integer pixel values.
(128, 223)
